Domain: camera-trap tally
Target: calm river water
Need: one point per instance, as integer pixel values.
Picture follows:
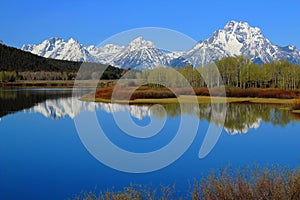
(42, 156)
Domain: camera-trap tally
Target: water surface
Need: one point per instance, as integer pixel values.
(42, 156)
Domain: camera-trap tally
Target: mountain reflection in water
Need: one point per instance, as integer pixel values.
(57, 104)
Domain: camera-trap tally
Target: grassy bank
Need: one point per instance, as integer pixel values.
(146, 95)
(247, 183)
(190, 99)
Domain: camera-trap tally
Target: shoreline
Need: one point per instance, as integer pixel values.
(286, 103)
(142, 101)
(190, 99)
(55, 83)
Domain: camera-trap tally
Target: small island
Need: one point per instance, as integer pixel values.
(230, 80)
(163, 95)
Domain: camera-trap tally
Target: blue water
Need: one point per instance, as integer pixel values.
(42, 156)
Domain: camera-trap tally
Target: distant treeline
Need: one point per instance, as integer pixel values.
(237, 72)
(16, 64)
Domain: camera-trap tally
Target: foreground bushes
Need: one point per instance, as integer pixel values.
(249, 183)
(273, 183)
(133, 192)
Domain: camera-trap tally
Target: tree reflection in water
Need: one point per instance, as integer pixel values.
(239, 117)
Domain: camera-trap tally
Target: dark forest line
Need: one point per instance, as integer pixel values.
(16, 65)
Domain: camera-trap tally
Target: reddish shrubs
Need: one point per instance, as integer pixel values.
(249, 92)
(280, 94)
(201, 92)
(126, 93)
(146, 92)
(104, 93)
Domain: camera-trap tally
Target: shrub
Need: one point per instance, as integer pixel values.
(244, 183)
(248, 92)
(251, 184)
(133, 192)
(162, 92)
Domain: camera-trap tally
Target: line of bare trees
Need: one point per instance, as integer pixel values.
(237, 72)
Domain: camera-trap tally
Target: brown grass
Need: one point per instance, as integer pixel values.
(248, 183)
(133, 192)
(269, 183)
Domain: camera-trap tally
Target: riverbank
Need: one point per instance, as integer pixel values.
(40, 83)
(191, 99)
(56, 84)
(286, 103)
(146, 94)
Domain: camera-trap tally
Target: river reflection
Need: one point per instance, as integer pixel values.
(43, 157)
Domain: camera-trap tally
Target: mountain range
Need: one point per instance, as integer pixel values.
(236, 38)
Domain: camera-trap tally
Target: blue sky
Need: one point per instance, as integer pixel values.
(91, 21)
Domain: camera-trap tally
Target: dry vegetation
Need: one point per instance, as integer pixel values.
(133, 192)
(273, 183)
(145, 92)
(249, 183)
(249, 92)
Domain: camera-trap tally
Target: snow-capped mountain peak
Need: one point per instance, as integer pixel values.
(141, 54)
(236, 38)
(58, 48)
(235, 27)
(292, 47)
(140, 43)
(72, 40)
(239, 38)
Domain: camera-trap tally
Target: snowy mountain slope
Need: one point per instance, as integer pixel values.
(59, 49)
(236, 38)
(141, 54)
(105, 54)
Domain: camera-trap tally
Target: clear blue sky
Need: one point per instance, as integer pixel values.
(92, 21)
